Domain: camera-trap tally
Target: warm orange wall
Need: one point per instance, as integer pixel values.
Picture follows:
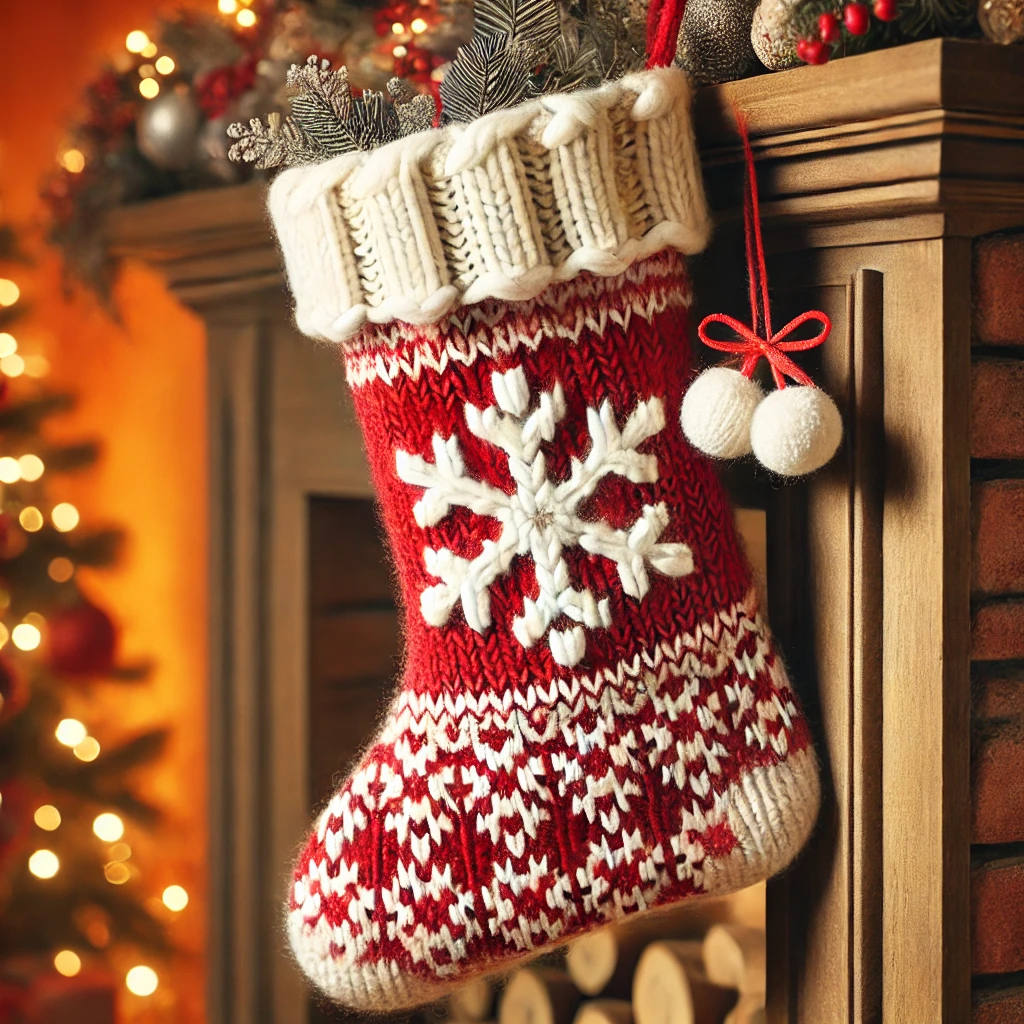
(141, 392)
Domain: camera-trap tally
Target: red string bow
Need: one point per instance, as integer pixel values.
(754, 343)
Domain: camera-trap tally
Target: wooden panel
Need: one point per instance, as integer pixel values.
(349, 564)
(950, 74)
(356, 644)
(354, 635)
(926, 609)
(237, 360)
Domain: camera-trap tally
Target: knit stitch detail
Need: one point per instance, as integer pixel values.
(494, 329)
(714, 751)
(499, 208)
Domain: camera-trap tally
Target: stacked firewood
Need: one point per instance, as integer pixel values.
(694, 965)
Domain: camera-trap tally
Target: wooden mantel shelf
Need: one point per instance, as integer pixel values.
(877, 175)
(934, 131)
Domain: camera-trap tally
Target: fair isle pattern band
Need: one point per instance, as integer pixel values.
(495, 329)
(499, 208)
(709, 717)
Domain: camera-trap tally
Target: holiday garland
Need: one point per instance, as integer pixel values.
(155, 119)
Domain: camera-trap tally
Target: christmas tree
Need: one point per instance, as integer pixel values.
(73, 898)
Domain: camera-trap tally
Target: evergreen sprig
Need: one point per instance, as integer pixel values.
(520, 49)
(328, 119)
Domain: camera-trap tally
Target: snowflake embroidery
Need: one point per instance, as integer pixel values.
(540, 518)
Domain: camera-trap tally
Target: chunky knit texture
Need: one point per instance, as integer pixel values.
(593, 720)
(500, 208)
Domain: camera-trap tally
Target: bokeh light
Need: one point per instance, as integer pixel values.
(68, 963)
(26, 636)
(108, 827)
(88, 749)
(141, 980)
(65, 516)
(175, 898)
(31, 519)
(136, 41)
(44, 864)
(70, 732)
(73, 161)
(47, 817)
(31, 467)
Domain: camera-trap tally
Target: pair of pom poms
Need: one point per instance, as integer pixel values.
(797, 428)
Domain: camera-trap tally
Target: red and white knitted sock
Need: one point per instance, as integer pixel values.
(593, 719)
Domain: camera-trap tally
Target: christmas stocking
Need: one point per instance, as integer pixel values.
(593, 719)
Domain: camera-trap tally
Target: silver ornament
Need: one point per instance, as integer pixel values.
(714, 40)
(168, 128)
(1002, 20)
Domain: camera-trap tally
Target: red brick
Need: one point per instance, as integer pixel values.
(997, 916)
(999, 1006)
(998, 696)
(997, 534)
(999, 291)
(997, 761)
(997, 632)
(997, 409)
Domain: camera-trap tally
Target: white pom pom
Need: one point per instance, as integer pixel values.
(796, 430)
(716, 412)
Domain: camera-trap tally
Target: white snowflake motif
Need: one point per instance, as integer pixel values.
(540, 518)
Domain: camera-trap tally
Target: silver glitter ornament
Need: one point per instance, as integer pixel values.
(714, 40)
(168, 128)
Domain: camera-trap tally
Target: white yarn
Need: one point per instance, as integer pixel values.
(410, 230)
(796, 430)
(541, 518)
(717, 410)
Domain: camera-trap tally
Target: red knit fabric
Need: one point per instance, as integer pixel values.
(512, 801)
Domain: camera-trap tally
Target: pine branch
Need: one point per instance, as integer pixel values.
(534, 22)
(616, 31)
(71, 457)
(573, 63)
(25, 417)
(488, 74)
(328, 120)
(278, 143)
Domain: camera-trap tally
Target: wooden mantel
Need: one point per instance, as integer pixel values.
(877, 174)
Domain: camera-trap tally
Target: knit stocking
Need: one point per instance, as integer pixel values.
(593, 719)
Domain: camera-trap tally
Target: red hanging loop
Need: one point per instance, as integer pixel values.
(758, 340)
(663, 20)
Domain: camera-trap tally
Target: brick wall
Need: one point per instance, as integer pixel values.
(997, 637)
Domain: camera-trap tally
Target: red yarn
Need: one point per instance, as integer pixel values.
(412, 387)
(757, 342)
(663, 20)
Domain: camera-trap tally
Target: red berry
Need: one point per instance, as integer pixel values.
(801, 49)
(818, 52)
(856, 18)
(828, 27)
(885, 10)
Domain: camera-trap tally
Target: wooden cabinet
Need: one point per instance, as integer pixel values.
(877, 175)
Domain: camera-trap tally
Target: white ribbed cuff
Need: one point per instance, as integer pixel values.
(499, 208)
